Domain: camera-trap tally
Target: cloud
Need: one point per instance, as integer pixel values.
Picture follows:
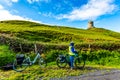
(1, 7)
(13, 0)
(32, 1)
(92, 10)
(8, 2)
(6, 15)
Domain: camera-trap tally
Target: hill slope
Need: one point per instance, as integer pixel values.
(31, 31)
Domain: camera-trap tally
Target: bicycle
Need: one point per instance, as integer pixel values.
(23, 62)
(63, 60)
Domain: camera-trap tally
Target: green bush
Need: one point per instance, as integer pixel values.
(6, 56)
(103, 57)
(53, 54)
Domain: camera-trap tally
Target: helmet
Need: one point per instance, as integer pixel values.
(71, 43)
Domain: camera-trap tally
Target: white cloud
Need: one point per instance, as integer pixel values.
(1, 7)
(92, 10)
(14, 0)
(32, 1)
(8, 2)
(6, 15)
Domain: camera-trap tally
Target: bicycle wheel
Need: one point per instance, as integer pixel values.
(61, 63)
(20, 67)
(79, 63)
(42, 62)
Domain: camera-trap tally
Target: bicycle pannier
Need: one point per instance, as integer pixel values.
(20, 58)
(62, 58)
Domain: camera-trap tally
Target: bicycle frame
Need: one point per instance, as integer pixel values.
(35, 59)
(62, 62)
(28, 62)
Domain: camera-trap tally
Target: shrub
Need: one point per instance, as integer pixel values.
(6, 56)
(103, 57)
(53, 54)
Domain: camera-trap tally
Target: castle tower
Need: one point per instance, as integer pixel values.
(90, 24)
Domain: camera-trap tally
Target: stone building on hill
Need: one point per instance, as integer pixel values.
(91, 25)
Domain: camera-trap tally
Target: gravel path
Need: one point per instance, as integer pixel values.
(97, 75)
(101, 75)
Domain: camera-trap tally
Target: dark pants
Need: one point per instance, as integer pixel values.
(71, 61)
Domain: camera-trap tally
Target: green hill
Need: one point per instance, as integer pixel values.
(55, 41)
(58, 35)
(31, 31)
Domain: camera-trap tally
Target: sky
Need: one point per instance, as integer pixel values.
(71, 13)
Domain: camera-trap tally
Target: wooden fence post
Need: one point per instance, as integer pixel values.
(35, 48)
(21, 48)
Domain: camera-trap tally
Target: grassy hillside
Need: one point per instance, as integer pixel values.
(56, 40)
(15, 32)
(31, 31)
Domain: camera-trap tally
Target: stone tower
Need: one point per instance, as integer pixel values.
(90, 24)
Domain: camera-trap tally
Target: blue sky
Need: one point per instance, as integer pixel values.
(72, 13)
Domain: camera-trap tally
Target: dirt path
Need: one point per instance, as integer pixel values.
(97, 75)
(101, 75)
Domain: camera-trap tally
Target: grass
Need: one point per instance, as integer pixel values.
(50, 72)
(59, 37)
(25, 32)
(55, 34)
